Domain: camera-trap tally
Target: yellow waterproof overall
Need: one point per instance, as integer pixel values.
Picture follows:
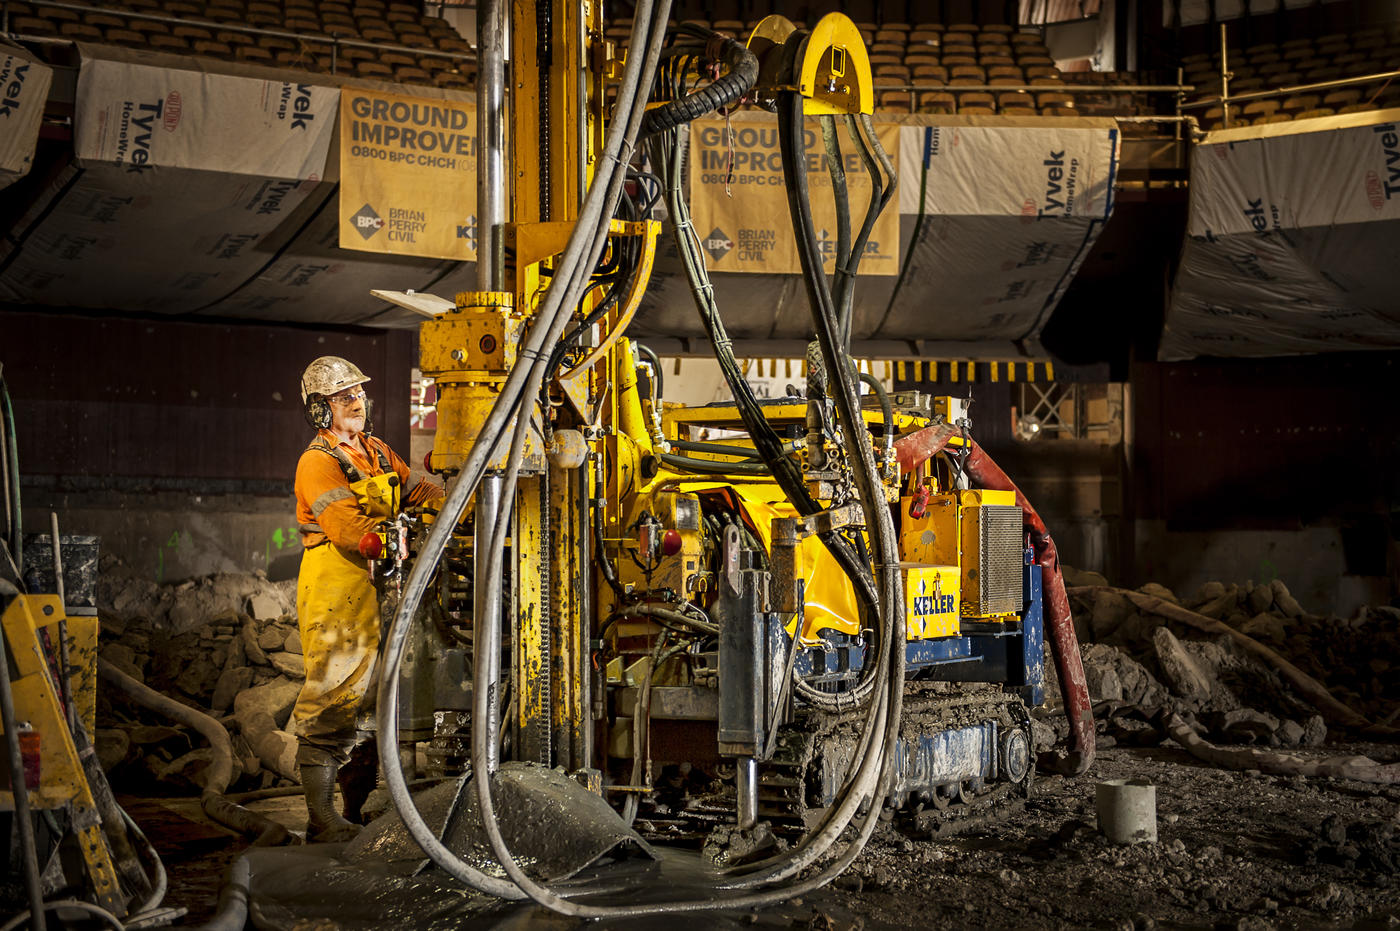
(338, 614)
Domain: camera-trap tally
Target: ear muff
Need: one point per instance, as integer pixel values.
(318, 412)
(369, 416)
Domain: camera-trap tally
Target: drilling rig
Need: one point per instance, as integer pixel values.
(751, 620)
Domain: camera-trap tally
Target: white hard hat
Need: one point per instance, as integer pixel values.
(329, 375)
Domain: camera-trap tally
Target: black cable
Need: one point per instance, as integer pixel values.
(742, 71)
(657, 378)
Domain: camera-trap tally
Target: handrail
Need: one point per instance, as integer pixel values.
(1295, 89)
(331, 39)
(1045, 88)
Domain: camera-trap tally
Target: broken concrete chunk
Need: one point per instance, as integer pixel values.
(251, 648)
(1290, 733)
(1268, 627)
(1284, 601)
(1246, 725)
(112, 744)
(1102, 681)
(275, 699)
(231, 682)
(1180, 670)
(1314, 731)
(119, 655)
(263, 605)
(293, 642)
(1261, 598)
(1110, 611)
(1222, 604)
(1208, 593)
(271, 639)
(1157, 590)
(290, 665)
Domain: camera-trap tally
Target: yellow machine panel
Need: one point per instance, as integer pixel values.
(931, 601)
(931, 538)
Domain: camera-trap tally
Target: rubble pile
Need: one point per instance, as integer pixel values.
(1140, 666)
(227, 645)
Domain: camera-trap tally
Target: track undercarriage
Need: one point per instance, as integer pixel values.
(963, 755)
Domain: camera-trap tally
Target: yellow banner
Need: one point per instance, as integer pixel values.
(738, 197)
(407, 175)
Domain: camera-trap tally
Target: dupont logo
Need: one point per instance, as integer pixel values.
(1375, 191)
(718, 244)
(172, 111)
(1028, 211)
(366, 221)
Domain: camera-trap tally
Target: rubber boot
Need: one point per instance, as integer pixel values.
(358, 779)
(323, 824)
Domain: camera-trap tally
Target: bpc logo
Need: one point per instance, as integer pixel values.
(366, 221)
(718, 244)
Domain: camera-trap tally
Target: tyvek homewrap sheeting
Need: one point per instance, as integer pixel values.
(1012, 208)
(312, 280)
(24, 86)
(1293, 240)
(183, 183)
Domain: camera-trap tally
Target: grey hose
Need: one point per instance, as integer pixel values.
(88, 907)
(233, 899)
(520, 389)
(220, 771)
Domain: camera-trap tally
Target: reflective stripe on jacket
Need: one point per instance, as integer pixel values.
(326, 507)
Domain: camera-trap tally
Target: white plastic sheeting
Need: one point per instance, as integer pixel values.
(24, 86)
(1293, 240)
(1012, 208)
(180, 181)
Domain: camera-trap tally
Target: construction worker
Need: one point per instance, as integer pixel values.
(348, 483)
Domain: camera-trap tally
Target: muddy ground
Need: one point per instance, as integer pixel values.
(1235, 850)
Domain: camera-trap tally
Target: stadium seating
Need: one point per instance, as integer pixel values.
(1295, 62)
(207, 33)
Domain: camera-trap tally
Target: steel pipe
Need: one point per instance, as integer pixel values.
(486, 612)
(490, 131)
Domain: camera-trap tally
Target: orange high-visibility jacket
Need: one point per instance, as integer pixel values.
(326, 507)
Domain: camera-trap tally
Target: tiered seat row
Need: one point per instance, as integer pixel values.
(1298, 62)
(207, 32)
(948, 57)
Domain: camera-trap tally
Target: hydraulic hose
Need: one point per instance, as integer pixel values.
(520, 390)
(13, 520)
(1064, 643)
(233, 899)
(220, 772)
(659, 380)
(876, 161)
(742, 70)
(872, 498)
(766, 441)
(75, 904)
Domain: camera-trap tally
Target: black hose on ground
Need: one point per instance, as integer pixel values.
(220, 774)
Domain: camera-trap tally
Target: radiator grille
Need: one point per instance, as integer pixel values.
(999, 559)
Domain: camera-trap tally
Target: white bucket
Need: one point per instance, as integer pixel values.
(1127, 810)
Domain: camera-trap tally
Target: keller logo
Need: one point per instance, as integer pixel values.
(718, 244)
(366, 221)
(467, 231)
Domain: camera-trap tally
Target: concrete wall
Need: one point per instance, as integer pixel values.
(177, 442)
